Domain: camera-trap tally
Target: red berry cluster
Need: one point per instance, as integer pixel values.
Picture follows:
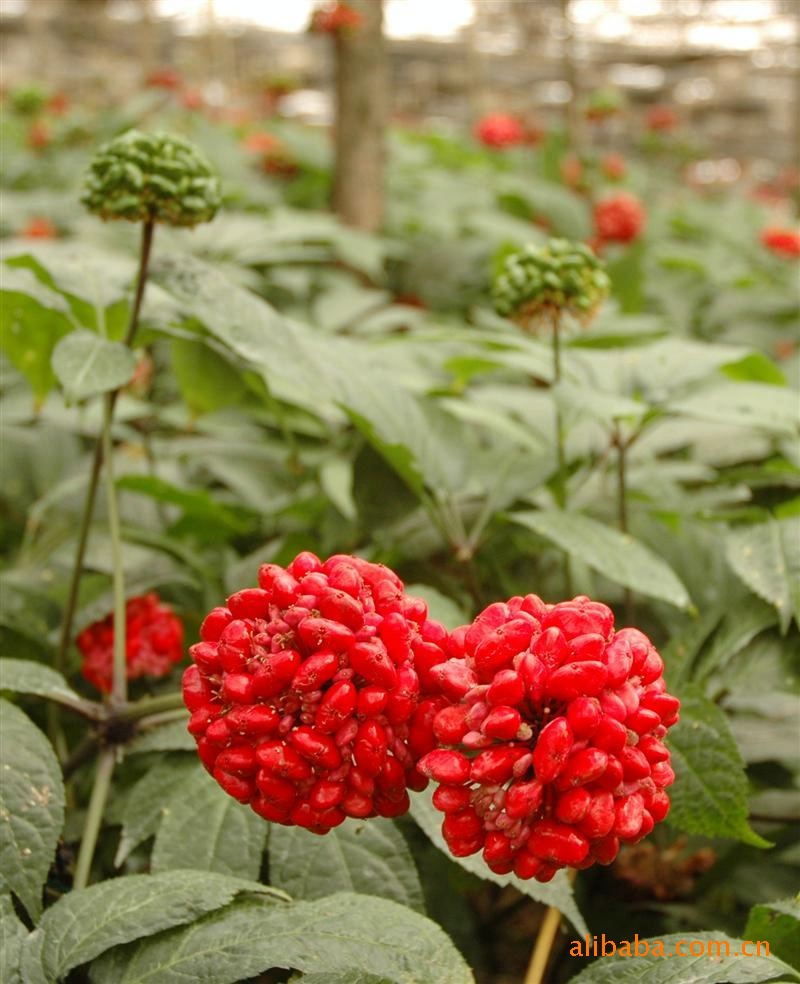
(499, 130)
(613, 166)
(661, 119)
(39, 227)
(335, 19)
(153, 643)
(305, 692)
(555, 723)
(619, 218)
(782, 242)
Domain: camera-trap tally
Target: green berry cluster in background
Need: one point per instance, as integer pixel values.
(562, 276)
(152, 176)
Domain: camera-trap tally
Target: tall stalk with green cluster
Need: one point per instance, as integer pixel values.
(146, 178)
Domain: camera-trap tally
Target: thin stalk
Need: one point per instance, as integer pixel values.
(622, 504)
(150, 705)
(94, 816)
(119, 690)
(97, 461)
(561, 457)
(540, 957)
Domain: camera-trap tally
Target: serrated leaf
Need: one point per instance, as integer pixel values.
(205, 828)
(340, 934)
(710, 792)
(723, 965)
(12, 937)
(87, 364)
(617, 556)
(88, 921)
(370, 857)
(557, 893)
(777, 923)
(24, 676)
(31, 807)
(766, 557)
(149, 800)
(771, 408)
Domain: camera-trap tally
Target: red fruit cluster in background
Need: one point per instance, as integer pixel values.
(499, 130)
(619, 218)
(613, 166)
(306, 693)
(555, 725)
(153, 643)
(38, 227)
(782, 242)
(39, 136)
(661, 119)
(164, 78)
(337, 18)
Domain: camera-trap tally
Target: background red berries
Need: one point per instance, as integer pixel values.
(499, 130)
(782, 242)
(153, 642)
(555, 723)
(619, 218)
(305, 692)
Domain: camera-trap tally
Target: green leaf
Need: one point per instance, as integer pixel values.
(340, 934)
(32, 320)
(31, 807)
(207, 381)
(777, 923)
(557, 893)
(205, 828)
(149, 800)
(86, 922)
(767, 558)
(710, 792)
(770, 408)
(165, 738)
(87, 364)
(755, 368)
(720, 964)
(12, 937)
(615, 555)
(370, 857)
(440, 607)
(24, 676)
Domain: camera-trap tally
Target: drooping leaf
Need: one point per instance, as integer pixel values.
(86, 922)
(31, 807)
(370, 857)
(766, 556)
(230, 839)
(87, 364)
(340, 934)
(557, 893)
(207, 381)
(24, 676)
(616, 555)
(710, 792)
(721, 962)
(777, 923)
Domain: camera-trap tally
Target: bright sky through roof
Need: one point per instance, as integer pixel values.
(404, 18)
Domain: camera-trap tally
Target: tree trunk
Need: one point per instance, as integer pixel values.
(361, 117)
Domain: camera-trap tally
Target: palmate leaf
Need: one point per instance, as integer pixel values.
(666, 967)
(31, 807)
(766, 557)
(371, 857)
(343, 934)
(710, 792)
(615, 555)
(557, 893)
(86, 922)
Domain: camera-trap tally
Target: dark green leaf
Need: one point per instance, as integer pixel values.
(777, 923)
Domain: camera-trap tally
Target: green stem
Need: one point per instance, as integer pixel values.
(149, 705)
(94, 816)
(119, 690)
(97, 461)
(622, 504)
(560, 489)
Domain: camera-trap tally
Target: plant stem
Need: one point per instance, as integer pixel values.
(119, 691)
(97, 461)
(150, 705)
(94, 816)
(622, 503)
(544, 945)
(561, 457)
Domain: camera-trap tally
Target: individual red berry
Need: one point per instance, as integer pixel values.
(305, 689)
(39, 227)
(154, 644)
(619, 218)
(585, 768)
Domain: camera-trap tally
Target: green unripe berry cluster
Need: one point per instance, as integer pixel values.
(152, 177)
(562, 276)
